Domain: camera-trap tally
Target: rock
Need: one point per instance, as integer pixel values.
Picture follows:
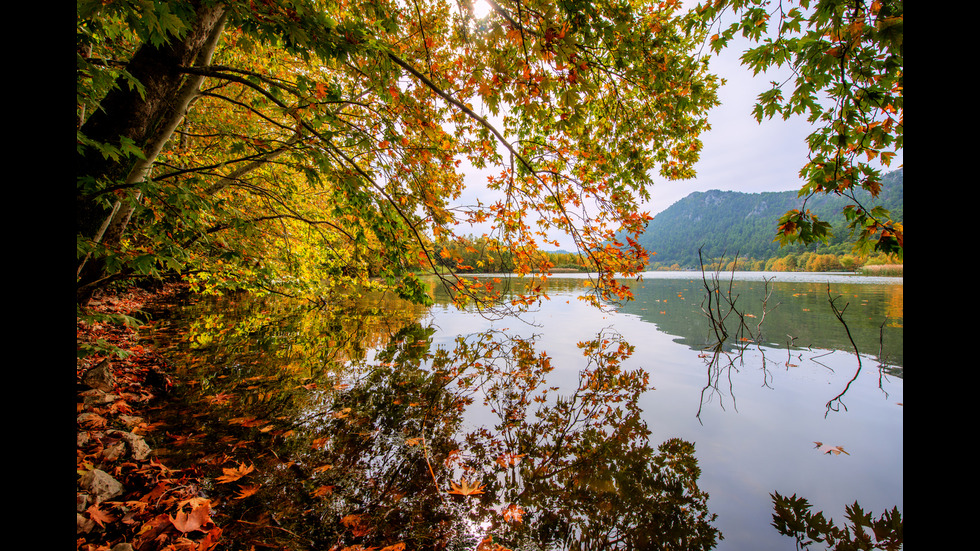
(81, 502)
(100, 377)
(130, 420)
(100, 485)
(96, 397)
(138, 447)
(91, 420)
(82, 439)
(114, 451)
(83, 524)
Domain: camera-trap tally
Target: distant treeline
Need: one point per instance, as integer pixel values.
(878, 264)
(471, 254)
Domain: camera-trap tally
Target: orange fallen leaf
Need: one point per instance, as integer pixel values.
(196, 519)
(465, 489)
(231, 475)
(836, 450)
(246, 491)
(99, 516)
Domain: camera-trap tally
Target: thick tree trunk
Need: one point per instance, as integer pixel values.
(149, 120)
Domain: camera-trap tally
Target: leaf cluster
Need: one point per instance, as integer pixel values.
(846, 65)
(792, 517)
(330, 140)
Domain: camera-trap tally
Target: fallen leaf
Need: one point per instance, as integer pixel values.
(99, 516)
(231, 475)
(465, 489)
(836, 450)
(199, 517)
(246, 491)
(220, 398)
(355, 524)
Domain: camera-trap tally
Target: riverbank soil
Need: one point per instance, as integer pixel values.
(126, 498)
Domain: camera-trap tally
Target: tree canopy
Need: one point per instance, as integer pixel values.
(847, 64)
(298, 144)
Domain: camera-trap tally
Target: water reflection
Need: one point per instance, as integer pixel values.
(785, 310)
(353, 421)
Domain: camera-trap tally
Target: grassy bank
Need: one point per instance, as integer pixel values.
(883, 270)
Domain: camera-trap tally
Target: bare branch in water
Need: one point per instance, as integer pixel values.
(837, 402)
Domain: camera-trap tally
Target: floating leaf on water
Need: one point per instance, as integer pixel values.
(465, 489)
(827, 449)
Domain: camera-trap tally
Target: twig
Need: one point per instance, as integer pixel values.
(839, 314)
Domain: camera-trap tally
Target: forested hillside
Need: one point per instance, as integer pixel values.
(724, 223)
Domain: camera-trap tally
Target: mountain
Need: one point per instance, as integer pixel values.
(729, 222)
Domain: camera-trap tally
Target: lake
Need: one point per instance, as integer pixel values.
(570, 427)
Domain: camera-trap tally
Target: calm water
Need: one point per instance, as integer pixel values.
(753, 410)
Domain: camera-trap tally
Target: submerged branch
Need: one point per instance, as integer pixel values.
(839, 314)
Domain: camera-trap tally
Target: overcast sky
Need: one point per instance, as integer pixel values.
(739, 153)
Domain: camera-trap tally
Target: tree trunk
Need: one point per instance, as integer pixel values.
(149, 120)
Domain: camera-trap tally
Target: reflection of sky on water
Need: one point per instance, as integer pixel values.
(756, 430)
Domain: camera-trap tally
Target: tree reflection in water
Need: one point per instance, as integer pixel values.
(374, 453)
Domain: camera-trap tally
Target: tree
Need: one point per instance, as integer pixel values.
(847, 63)
(277, 145)
(215, 135)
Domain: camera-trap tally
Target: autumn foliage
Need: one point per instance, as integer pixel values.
(323, 141)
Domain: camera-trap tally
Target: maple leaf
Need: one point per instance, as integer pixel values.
(321, 90)
(196, 519)
(465, 489)
(513, 513)
(232, 475)
(246, 491)
(509, 459)
(355, 524)
(98, 515)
